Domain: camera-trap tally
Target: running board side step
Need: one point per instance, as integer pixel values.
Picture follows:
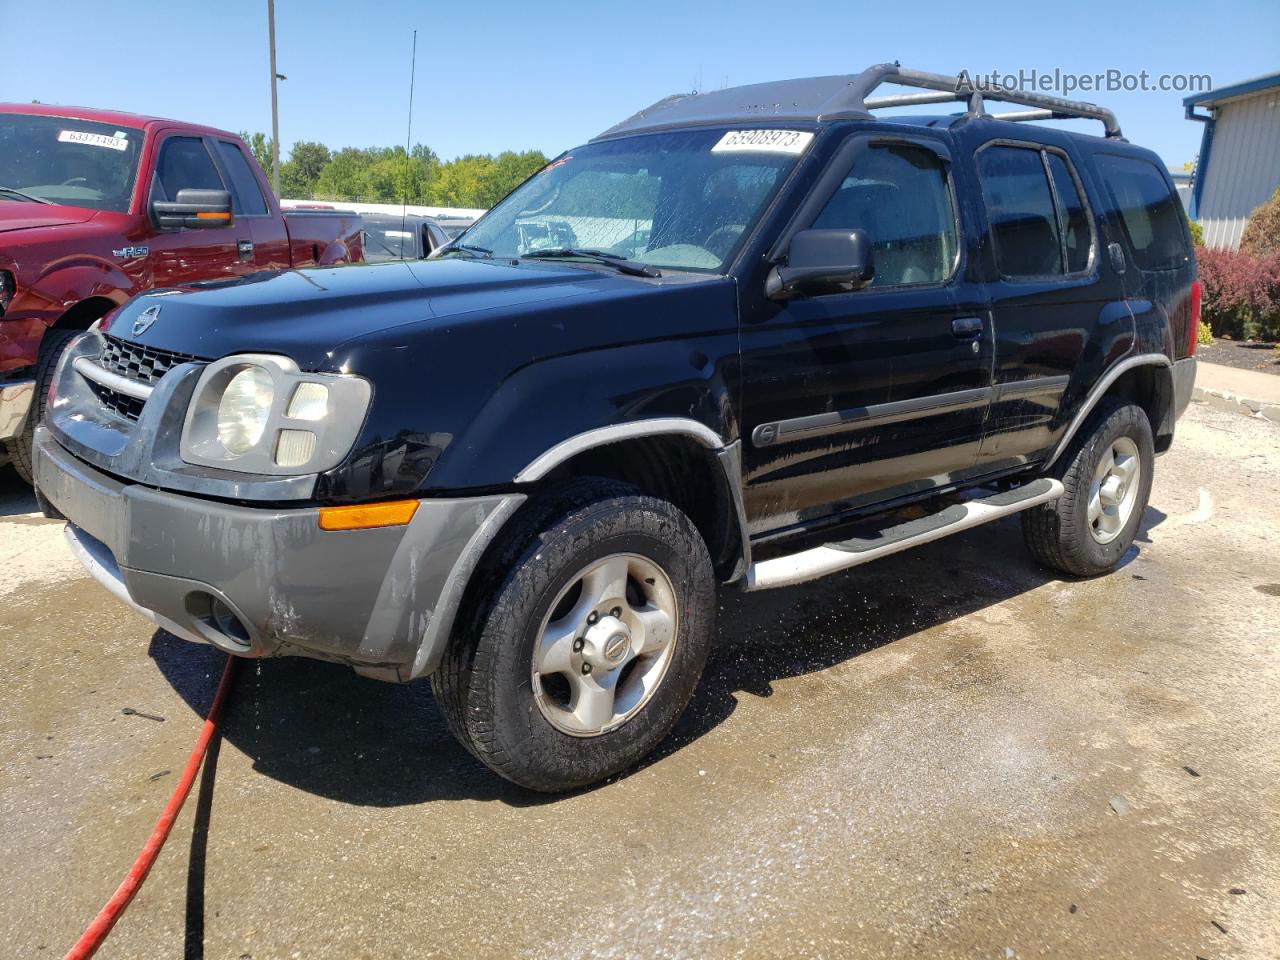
(818, 562)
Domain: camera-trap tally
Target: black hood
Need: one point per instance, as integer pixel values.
(309, 314)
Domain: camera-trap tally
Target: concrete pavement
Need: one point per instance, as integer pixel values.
(1248, 391)
(949, 753)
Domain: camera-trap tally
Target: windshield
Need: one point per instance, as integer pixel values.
(677, 200)
(72, 162)
(390, 241)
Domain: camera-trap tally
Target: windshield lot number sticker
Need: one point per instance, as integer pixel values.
(93, 139)
(763, 141)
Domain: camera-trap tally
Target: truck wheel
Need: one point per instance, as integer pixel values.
(583, 649)
(1107, 474)
(52, 348)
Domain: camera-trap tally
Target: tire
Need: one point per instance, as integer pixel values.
(52, 348)
(1062, 534)
(517, 721)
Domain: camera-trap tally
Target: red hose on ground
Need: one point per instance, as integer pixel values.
(92, 938)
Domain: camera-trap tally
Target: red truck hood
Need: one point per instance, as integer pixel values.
(17, 215)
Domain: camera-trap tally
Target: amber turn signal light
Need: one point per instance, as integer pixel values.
(210, 215)
(394, 514)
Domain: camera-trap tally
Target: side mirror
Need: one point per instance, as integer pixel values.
(822, 261)
(196, 209)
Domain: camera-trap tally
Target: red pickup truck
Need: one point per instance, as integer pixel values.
(97, 206)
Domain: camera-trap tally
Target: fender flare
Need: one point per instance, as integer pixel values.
(1099, 391)
(728, 456)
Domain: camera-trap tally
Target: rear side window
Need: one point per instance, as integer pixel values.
(1076, 235)
(186, 165)
(245, 193)
(1148, 209)
(1024, 222)
(900, 197)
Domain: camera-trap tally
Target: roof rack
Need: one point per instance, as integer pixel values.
(946, 89)
(849, 98)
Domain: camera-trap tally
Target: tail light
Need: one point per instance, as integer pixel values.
(1197, 294)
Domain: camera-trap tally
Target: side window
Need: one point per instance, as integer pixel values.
(900, 197)
(185, 164)
(245, 193)
(1024, 223)
(1075, 218)
(1148, 209)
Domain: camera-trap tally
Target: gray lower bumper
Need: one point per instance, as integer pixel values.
(1184, 380)
(16, 397)
(262, 581)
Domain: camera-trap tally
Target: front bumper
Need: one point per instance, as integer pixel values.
(264, 581)
(16, 400)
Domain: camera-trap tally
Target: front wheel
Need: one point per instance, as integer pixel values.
(1107, 477)
(588, 642)
(52, 348)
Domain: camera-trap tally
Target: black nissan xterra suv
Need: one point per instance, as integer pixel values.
(752, 336)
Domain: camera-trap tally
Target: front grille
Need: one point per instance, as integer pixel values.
(136, 362)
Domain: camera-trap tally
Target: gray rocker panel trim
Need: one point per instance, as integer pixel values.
(860, 418)
(1099, 390)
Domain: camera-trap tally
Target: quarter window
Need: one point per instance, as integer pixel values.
(1024, 223)
(1148, 209)
(246, 196)
(900, 197)
(185, 165)
(1077, 238)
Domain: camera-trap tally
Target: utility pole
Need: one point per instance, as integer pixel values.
(275, 114)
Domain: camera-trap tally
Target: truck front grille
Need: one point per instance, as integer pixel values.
(144, 364)
(135, 362)
(122, 405)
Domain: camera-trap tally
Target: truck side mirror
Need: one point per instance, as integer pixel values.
(822, 261)
(193, 209)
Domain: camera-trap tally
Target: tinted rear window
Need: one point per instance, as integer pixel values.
(1024, 222)
(1148, 209)
(244, 185)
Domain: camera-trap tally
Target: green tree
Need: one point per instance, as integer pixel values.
(342, 176)
(1261, 236)
(506, 172)
(260, 146)
(298, 174)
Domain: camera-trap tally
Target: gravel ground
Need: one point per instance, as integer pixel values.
(1250, 355)
(949, 753)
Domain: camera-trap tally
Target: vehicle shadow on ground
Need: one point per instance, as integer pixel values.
(321, 728)
(16, 495)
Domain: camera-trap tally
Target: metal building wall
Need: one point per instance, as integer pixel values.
(1244, 166)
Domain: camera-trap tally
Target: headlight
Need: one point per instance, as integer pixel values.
(258, 413)
(244, 409)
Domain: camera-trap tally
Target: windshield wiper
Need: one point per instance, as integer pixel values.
(9, 191)
(617, 261)
(475, 251)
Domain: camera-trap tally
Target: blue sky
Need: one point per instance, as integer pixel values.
(499, 75)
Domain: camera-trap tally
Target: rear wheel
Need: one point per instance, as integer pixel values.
(588, 642)
(1107, 477)
(52, 348)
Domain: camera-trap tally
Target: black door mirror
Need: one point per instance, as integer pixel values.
(822, 261)
(193, 209)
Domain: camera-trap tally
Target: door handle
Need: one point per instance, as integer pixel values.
(967, 327)
(245, 249)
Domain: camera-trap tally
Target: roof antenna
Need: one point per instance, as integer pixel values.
(408, 137)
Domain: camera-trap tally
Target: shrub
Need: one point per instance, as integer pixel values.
(1261, 237)
(1241, 293)
(1197, 232)
(1204, 335)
